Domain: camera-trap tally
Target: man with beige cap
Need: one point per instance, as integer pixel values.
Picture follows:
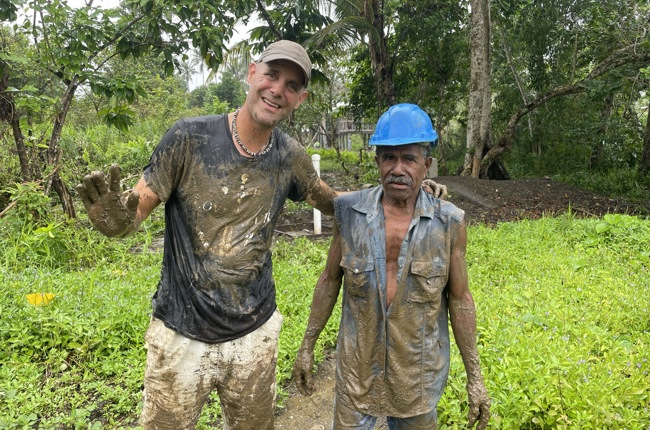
(224, 180)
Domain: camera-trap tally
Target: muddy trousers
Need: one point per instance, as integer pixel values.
(346, 418)
(181, 374)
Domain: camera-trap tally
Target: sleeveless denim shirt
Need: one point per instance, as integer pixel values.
(394, 361)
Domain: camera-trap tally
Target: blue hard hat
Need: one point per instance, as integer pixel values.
(403, 124)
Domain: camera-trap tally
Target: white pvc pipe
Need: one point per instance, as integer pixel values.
(315, 159)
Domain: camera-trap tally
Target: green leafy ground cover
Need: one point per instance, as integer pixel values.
(563, 318)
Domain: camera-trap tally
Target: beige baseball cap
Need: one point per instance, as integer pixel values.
(288, 50)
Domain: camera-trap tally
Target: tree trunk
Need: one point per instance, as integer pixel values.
(268, 20)
(8, 113)
(21, 149)
(379, 55)
(644, 164)
(520, 86)
(597, 149)
(55, 154)
(504, 143)
(442, 161)
(480, 99)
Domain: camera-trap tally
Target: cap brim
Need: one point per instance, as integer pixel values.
(276, 57)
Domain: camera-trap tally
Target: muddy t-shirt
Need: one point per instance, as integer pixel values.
(220, 213)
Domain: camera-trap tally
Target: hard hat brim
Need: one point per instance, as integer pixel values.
(403, 141)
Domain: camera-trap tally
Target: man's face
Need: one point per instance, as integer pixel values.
(276, 89)
(402, 170)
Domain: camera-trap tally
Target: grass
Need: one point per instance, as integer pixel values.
(564, 334)
(563, 305)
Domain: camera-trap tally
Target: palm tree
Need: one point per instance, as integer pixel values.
(365, 22)
(196, 62)
(186, 72)
(235, 62)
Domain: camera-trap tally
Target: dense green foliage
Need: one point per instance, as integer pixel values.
(563, 323)
(111, 67)
(564, 336)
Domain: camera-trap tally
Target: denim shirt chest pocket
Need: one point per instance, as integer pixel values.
(427, 280)
(359, 274)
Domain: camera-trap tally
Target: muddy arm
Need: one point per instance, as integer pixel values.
(462, 313)
(321, 197)
(326, 294)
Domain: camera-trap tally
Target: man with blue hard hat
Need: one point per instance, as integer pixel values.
(400, 254)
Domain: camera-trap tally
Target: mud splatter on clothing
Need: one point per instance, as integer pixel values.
(220, 213)
(181, 374)
(394, 361)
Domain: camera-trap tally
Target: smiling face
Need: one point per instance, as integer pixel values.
(402, 169)
(276, 89)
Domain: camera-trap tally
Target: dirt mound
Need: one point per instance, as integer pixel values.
(490, 202)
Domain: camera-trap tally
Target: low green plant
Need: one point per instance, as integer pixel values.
(562, 322)
(616, 183)
(297, 264)
(30, 203)
(562, 307)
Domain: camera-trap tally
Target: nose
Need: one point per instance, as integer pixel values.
(398, 168)
(276, 89)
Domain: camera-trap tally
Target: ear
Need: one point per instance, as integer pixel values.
(301, 98)
(427, 163)
(252, 68)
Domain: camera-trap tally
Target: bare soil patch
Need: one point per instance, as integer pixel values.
(512, 200)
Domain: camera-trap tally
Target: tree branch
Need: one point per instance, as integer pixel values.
(269, 21)
(618, 58)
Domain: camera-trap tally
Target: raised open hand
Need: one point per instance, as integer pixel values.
(111, 211)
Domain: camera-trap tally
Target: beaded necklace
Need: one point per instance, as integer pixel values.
(259, 153)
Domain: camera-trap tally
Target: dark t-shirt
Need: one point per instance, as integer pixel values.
(220, 213)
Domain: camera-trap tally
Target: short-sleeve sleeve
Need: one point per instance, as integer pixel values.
(303, 177)
(163, 173)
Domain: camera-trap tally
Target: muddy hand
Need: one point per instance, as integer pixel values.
(109, 210)
(302, 371)
(479, 405)
(434, 188)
